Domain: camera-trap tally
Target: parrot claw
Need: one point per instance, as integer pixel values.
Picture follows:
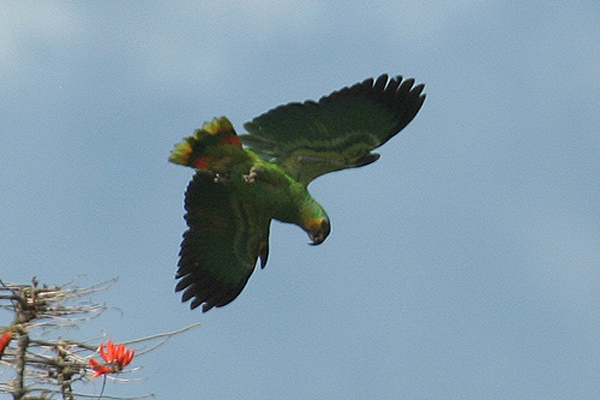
(251, 177)
(223, 179)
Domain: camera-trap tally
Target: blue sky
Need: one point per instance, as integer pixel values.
(465, 263)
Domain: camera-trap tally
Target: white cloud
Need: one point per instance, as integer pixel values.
(199, 42)
(22, 25)
(263, 18)
(423, 21)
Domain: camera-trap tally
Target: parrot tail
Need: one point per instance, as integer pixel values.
(207, 145)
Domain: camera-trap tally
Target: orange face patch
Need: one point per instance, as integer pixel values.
(315, 225)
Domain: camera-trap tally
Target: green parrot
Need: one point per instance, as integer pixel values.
(237, 191)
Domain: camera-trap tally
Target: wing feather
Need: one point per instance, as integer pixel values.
(220, 249)
(339, 131)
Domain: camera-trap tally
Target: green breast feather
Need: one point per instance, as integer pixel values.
(237, 191)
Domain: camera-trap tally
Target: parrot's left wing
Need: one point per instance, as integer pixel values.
(226, 236)
(339, 131)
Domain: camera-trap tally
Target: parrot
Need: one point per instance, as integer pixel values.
(242, 183)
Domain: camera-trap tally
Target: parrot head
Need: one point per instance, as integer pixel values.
(318, 230)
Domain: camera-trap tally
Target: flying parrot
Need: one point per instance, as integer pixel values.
(237, 191)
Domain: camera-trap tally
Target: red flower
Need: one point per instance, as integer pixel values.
(115, 356)
(4, 340)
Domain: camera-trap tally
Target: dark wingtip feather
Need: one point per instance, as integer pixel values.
(203, 289)
(400, 96)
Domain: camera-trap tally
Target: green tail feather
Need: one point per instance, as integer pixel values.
(193, 150)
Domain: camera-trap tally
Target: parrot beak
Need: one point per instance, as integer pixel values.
(316, 240)
(320, 233)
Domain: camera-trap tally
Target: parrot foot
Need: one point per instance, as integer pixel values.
(251, 177)
(223, 179)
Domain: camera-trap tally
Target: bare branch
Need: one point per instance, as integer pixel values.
(44, 369)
